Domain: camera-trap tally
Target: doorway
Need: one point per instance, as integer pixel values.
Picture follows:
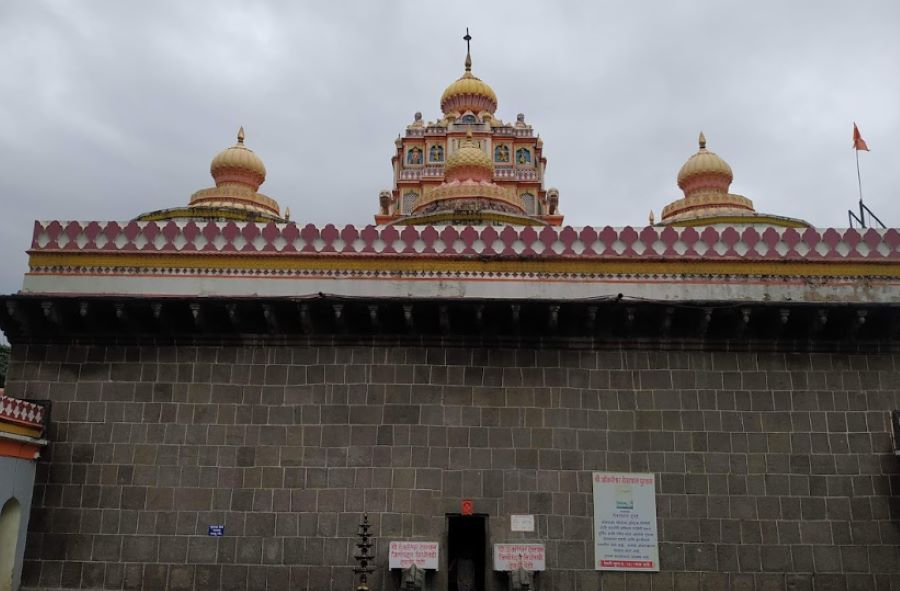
(466, 552)
(10, 517)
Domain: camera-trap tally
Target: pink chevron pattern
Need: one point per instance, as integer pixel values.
(20, 411)
(235, 238)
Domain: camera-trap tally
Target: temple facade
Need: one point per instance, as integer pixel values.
(701, 402)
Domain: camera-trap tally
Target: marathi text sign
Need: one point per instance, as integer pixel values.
(625, 536)
(515, 556)
(405, 554)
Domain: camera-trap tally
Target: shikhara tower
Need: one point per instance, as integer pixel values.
(469, 166)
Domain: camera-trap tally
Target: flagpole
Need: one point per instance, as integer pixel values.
(862, 214)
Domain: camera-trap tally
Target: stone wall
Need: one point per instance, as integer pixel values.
(775, 471)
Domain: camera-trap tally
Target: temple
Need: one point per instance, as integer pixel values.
(466, 394)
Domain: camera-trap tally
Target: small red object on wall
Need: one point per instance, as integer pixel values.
(467, 507)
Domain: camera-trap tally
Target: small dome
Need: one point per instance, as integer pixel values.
(707, 164)
(469, 157)
(469, 94)
(238, 164)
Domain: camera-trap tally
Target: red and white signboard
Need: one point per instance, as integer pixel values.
(625, 536)
(405, 554)
(515, 556)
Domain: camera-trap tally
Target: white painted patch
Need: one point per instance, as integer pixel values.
(318, 244)
(578, 247)
(378, 245)
(802, 248)
(761, 248)
(279, 243)
(863, 248)
(822, 248)
(618, 247)
(720, 247)
(458, 246)
(419, 245)
(259, 242)
(741, 248)
(781, 248)
(43, 239)
(598, 246)
(538, 247)
(179, 241)
(842, 249)
(639, 247)
(518, 247)
(700, 248)
(239, 242)
(557, 246)
(478, 245)
(120, 241)
(219, 242)
(101, 240)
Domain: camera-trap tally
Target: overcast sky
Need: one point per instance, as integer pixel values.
(109, 109)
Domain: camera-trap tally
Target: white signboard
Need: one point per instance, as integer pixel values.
(521, 522)
(516, 556)
(625, 536)
(405, 554)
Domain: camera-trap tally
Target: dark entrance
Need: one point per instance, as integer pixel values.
(466, 552)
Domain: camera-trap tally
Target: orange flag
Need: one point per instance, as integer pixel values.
(858, 142)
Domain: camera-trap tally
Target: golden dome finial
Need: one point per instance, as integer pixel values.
(468, 38)
(240, 136)
(651, 218)
(702, 140)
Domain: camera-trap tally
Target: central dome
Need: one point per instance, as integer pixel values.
(469, 94)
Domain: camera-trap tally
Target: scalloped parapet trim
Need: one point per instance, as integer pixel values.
(734, 243)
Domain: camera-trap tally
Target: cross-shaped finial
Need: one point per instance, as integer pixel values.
(467, 38)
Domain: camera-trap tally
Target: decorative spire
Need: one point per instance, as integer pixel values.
(241, 135)
(702, 140)
(651, 218)
(467, 39)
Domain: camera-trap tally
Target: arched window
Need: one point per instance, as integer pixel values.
(10, 521)
(436, 154)
(469, 119)
(409, 201)
(414, 156)
(523, 156)
(529, 203)
(501, 153)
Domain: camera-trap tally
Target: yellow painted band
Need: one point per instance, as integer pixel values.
(134, 263)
